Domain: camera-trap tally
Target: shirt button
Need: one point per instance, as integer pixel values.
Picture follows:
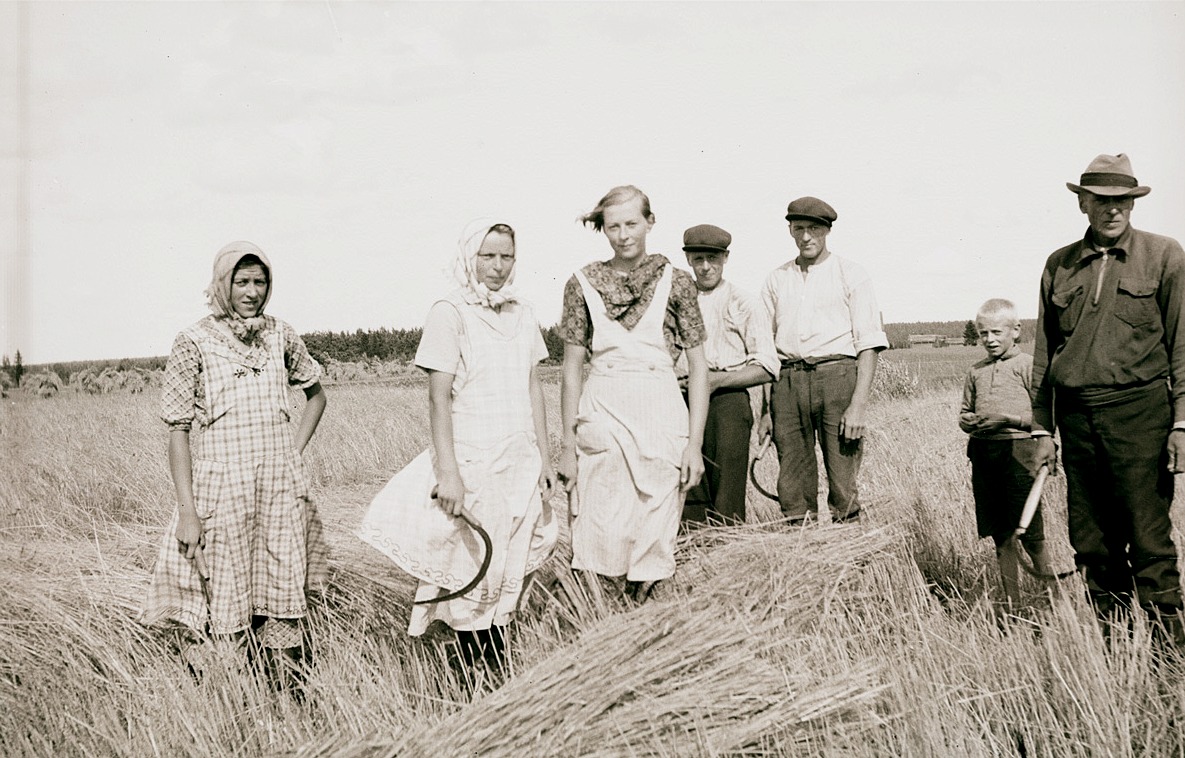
(651, 366)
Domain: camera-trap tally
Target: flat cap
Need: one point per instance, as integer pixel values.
(811, 209)
(706, 238)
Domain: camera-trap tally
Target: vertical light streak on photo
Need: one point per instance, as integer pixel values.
(16, 262)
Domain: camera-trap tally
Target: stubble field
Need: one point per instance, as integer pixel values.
(874, 639)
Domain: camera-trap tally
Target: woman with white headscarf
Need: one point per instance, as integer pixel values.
(489, 455)
(244, 545)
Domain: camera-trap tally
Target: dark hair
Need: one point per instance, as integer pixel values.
(616, 196)
(501, 228)
(250, 259)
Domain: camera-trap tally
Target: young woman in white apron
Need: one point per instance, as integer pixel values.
(489, 454)
(631, 446)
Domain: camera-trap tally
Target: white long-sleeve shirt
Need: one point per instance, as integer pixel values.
(828, 310)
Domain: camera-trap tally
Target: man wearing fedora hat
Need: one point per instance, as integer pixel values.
(827, 331)
(1109, 375)
(740, 354)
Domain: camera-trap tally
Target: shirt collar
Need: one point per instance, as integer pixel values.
(1089, 250)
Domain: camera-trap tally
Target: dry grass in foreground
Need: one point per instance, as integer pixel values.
(875, 639)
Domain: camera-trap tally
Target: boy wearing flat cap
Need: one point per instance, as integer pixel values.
(827, 331)
(740, 354)
(1109, 376)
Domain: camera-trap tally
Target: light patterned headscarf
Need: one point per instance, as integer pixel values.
(464, 268)
(218, 293)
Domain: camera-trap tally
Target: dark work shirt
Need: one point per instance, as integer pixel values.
(1121, 331)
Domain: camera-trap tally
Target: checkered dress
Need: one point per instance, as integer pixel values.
(264, 545)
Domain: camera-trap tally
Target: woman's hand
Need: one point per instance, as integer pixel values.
(190, 535)
(692, 468)
(547, 482)
(566, 471)
(450, 493)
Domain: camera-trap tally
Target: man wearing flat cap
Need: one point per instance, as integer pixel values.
(1109, 375)
(827, 331)
(740, 354)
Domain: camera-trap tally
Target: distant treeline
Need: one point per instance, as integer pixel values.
(391, 344)
(899, 333)
(400, 344)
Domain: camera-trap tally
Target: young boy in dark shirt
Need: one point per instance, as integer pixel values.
(997, 414)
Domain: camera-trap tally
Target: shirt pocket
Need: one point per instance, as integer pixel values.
(1135, 303)
(1068, 303)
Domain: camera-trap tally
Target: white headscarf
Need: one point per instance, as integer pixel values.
(464, 268)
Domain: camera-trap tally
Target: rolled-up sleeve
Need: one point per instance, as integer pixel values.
(180, 384)
(684, 305)
(440, 342)
(757, 334)
(575, 324)
(303, 369)
(868, 332)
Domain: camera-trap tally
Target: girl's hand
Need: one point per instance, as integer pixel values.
(190, 535)
(547, 483)
(566, 471)
(450, 494)
(692, 468)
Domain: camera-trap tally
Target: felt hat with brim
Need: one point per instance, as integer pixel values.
(1109, 176)
(811, 209)
(706, 238)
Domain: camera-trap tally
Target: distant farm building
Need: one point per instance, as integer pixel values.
(933, 340)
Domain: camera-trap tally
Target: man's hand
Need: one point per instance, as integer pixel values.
(765, 426)
(990, 422)
(1046, 454)
(1176, 450)
(851, 426)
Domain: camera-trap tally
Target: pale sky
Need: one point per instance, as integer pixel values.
(353, 141)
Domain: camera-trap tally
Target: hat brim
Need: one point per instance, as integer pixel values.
(804, 217)
(704, 249)
(1109, 191)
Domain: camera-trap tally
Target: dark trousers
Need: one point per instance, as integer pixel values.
(1120, 492)
(720, 495)
(807, 404)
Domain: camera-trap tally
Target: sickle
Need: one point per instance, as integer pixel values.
(753, 468)
(473, 523)
(203, 572)
(1026, 518)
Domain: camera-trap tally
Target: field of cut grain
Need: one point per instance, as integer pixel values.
(873, 639)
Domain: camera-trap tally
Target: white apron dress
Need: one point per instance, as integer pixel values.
(499, 462)
(631, 432)
(264, 546)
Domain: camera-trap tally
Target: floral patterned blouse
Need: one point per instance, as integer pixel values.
(627, 296)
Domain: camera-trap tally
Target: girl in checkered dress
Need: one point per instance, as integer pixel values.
(244, 516)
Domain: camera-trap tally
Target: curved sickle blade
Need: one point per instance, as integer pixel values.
(753, 469)
(473, 523)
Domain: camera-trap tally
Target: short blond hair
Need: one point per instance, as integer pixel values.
(998, 308)
(616, 196)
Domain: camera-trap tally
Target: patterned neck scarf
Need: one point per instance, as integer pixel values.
(464, 268)
(246, 330)
(627, 295)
